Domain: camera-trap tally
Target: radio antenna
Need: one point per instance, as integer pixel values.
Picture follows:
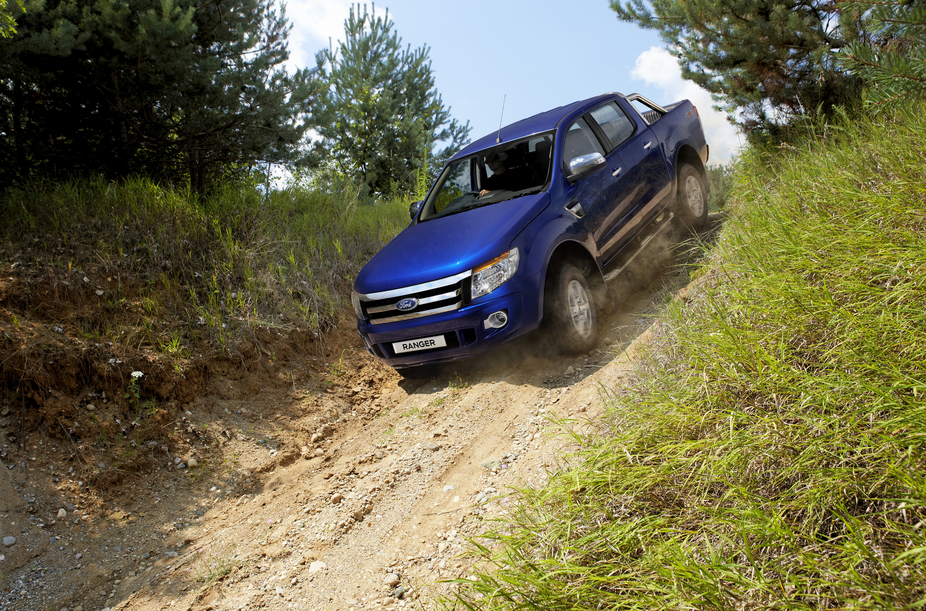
(498, 138)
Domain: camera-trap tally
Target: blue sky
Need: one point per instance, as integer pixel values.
(536, 54)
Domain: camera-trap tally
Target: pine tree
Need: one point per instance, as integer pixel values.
(764, 61)
(179, 90)
(891, 58)
(381, 109)
(8, 10)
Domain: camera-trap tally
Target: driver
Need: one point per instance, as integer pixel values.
(503, 179)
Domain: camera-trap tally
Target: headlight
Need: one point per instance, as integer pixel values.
(489, 276)
(355, 299)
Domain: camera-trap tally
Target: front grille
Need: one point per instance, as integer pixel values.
(444, 295)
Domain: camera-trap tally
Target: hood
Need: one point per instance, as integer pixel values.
(449, 245)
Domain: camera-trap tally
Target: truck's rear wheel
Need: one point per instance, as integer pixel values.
(692, 198)
(573, 327)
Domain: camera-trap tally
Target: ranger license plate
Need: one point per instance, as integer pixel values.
(424, 343)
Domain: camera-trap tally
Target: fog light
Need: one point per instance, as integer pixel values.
(496, 320)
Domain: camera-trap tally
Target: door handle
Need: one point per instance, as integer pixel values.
(617, 171)
(647, 144)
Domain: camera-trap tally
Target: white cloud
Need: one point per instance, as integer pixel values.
(314, 22)
(657, 67)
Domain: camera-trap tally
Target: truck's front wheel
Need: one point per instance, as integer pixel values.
(571, 310)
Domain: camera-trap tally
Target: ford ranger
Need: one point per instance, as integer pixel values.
(524, 228)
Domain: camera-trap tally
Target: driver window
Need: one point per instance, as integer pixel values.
(580, 140)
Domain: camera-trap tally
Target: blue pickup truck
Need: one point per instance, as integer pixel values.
(524, 228)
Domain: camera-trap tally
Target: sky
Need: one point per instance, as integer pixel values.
(530, 55)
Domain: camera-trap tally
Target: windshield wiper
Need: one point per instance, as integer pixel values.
(475, 205)
(472, 206)
(521, 194)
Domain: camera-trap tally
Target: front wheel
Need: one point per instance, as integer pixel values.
(692, 198)
(571, 310)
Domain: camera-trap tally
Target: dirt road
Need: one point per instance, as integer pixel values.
(345, 486)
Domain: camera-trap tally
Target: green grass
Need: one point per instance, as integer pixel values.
(772, 454)
(172, 269)
(216, 567)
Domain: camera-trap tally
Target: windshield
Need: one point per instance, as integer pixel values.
(503, 172)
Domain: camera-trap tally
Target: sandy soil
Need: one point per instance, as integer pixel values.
(346, 487)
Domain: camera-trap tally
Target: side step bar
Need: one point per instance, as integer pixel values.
(657, 227)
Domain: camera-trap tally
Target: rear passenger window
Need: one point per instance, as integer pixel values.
(613, 122)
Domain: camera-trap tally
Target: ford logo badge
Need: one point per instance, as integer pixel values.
(407, 304)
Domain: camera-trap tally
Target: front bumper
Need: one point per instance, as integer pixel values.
(463, 330)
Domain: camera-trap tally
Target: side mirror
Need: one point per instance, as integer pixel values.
(583, 165)
(414, 208)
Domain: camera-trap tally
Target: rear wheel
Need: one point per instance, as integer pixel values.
(691, 205)
(573, 327)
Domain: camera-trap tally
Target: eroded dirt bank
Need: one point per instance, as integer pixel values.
(347, 487)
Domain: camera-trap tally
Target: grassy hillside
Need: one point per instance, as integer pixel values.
(773, 451)
(104, 279)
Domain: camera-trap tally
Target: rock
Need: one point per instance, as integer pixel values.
(570, 370)
(9, 541)
(317, 566)
(441, 547)
(448, 488)
(319, 452)
(432, 445)
(62, 513)
(192, 463)
(392, 579)
(491, 465)
(337, 498)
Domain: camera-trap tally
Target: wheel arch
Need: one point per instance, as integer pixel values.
(687, 155)
(576, 254)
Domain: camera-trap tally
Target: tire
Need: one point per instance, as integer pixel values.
(691, 203)
(570, 310)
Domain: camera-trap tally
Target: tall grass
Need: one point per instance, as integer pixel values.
(188, 266)
(773, 453)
